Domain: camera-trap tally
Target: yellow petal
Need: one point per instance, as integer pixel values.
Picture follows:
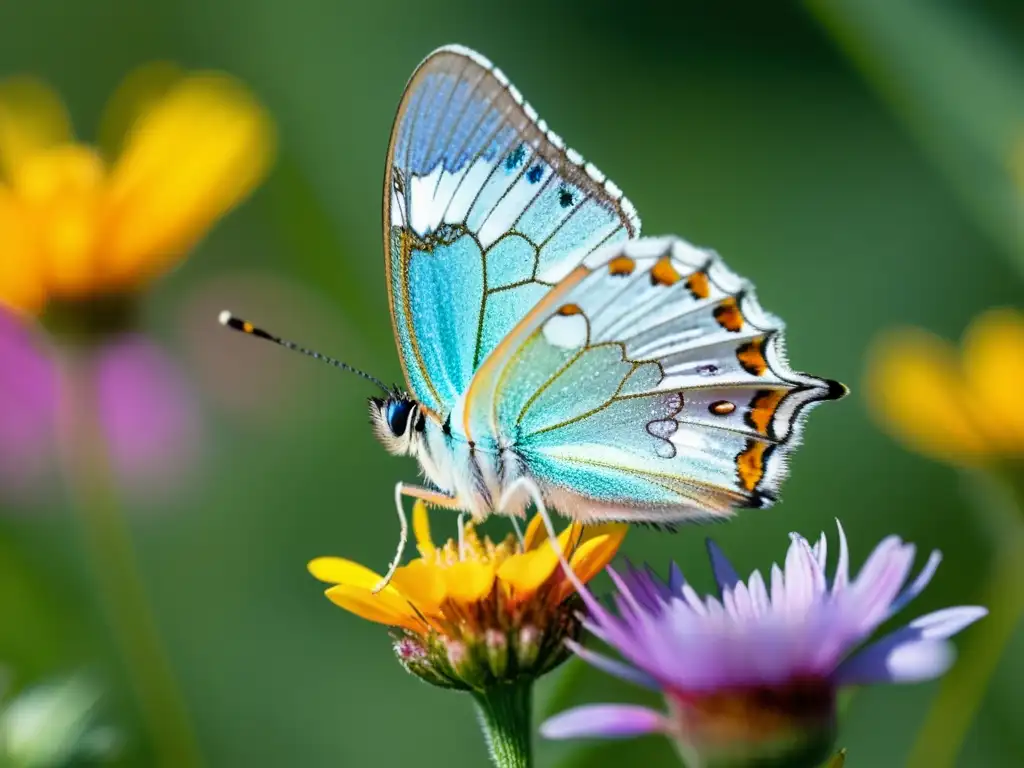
(61, 190)
(137, 94)
(600, 543)
(22, 286)
(189, 159)
(994, 365)
(468, 581)
(32, 118)
(338, 570)
(916, 392)
(526, 573)
(599, 546)
(382, 608)
(423, 584)
(535, 533)
(421, 529)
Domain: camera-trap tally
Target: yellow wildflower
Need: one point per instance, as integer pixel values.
(80, 223)
(963, 408)
(490, 613)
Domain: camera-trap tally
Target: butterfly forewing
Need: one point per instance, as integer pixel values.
(485, 210)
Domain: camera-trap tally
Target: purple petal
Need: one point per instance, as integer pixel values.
(778, 587)
(725, 574)
(918, 585)
(939, 625)
(879, 581)
(599, 621)
(692, 599)
(914, 653)
(625, 600)
(640, 586)
(649, 589)
(27, 405)
(759, 602)
(662, 590)
(613, 667)
(604, 721)
(805, 581)
(821, 551)
(842, 578)
(896, 659)
(676, 581)
(147, 414)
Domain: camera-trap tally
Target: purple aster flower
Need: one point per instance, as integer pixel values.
(752, 675)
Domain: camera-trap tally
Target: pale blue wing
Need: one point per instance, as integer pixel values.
(650, 385)
(484, 210)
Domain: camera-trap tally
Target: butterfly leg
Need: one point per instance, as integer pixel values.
(434, 498)
(518, 530)
(531, 488)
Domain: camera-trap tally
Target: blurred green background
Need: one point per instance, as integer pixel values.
(742, 127)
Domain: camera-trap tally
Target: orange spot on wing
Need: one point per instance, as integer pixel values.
(663, 273)
(729, 316)
(247, 327)
(750, 464)
(570, 309)
(722, 408)
(699, 285)
(621, 265)
(762, 409)
(751, 357)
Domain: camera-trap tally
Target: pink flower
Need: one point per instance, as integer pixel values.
(143, 404)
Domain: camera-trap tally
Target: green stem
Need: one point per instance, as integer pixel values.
(504, 712)
(963, 689)
(111, 557)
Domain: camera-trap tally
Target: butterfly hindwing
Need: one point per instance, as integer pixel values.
(485, 210)
(648, 385)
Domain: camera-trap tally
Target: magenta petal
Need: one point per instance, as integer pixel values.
(604, 721)
(27, 405)
(146, 412)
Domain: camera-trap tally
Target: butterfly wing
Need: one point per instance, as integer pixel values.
(485, 209)
(648, 385)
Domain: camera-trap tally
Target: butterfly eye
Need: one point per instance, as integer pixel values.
(398, 416)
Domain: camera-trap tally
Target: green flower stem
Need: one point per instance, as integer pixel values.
(504, 712)
(111, 557)
(963, 688)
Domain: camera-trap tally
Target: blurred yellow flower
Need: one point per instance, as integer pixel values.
(469, 618)
(77, 222)
(961, 408)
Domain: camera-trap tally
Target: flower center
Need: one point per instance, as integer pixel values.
(475, 549)
(786, 715)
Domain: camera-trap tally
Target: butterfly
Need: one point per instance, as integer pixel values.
(544, 340)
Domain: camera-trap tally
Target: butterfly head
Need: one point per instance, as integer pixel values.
(397, 421)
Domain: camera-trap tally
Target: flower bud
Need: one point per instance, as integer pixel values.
(497, 652)
(528, 646)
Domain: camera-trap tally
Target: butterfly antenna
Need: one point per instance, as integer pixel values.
(244, 326)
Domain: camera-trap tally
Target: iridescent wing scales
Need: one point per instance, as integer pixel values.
(648, 385)
(484, 210)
